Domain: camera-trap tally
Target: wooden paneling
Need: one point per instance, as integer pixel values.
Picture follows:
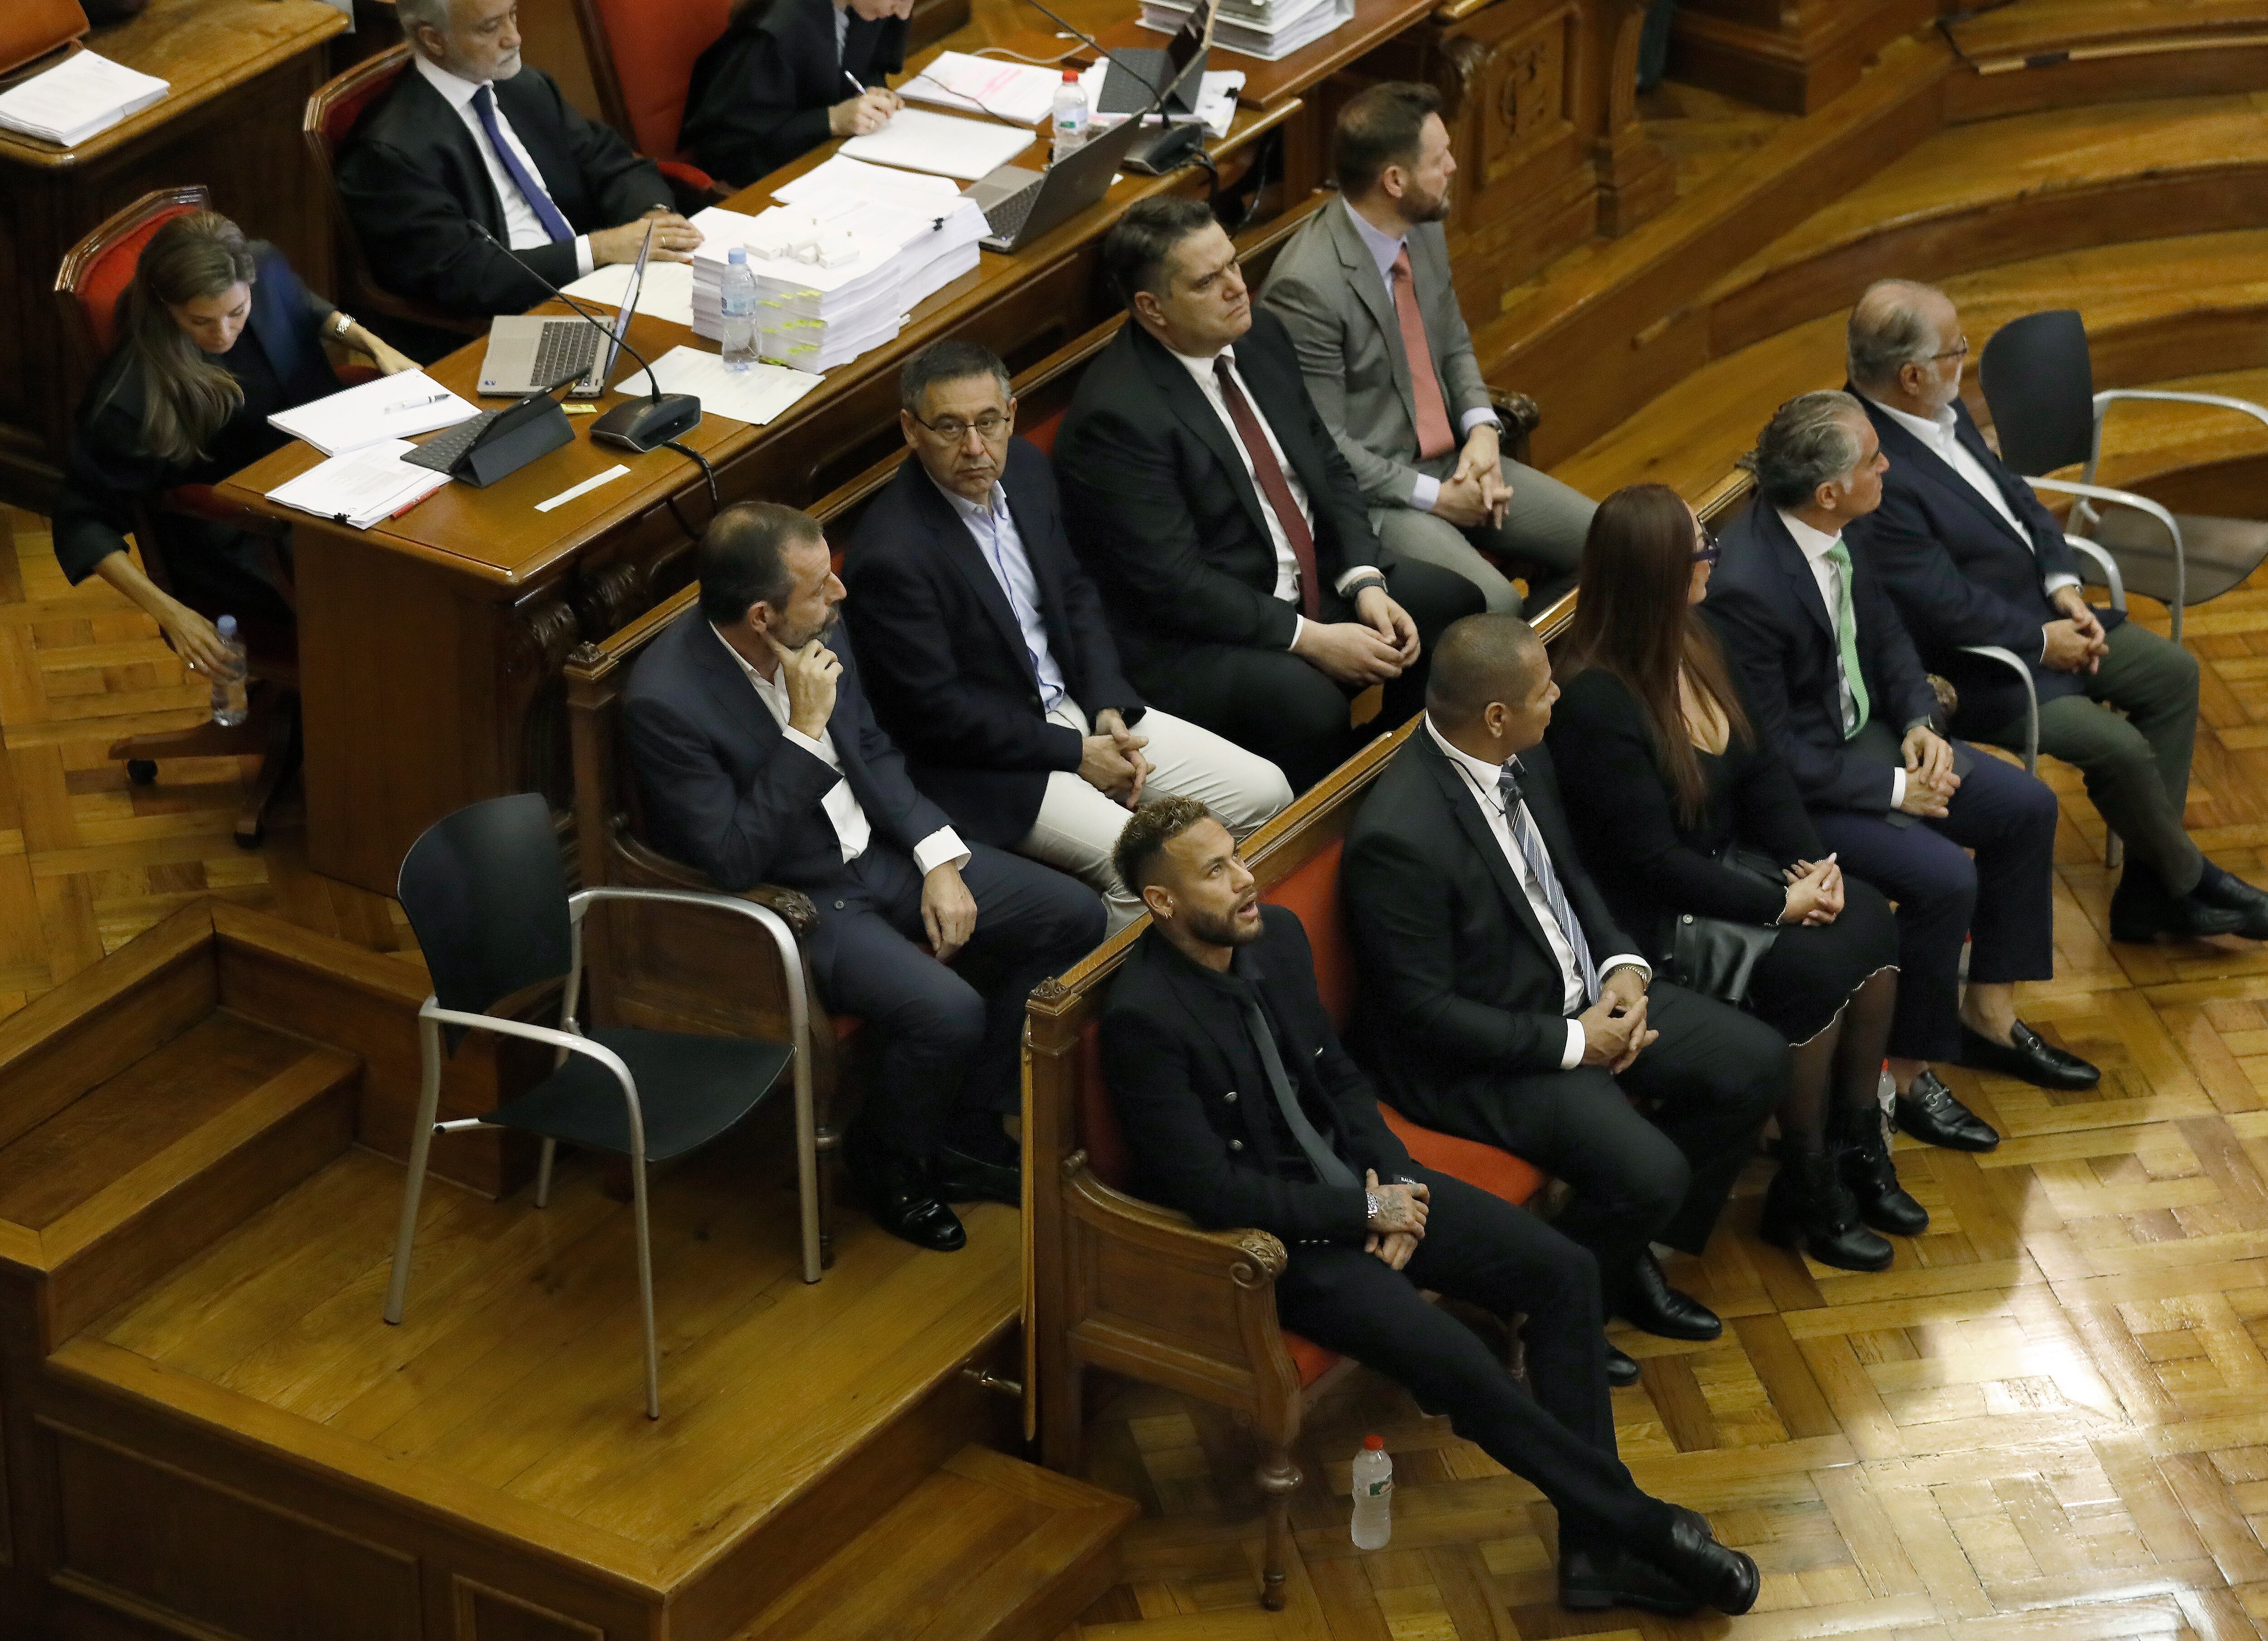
(1793, 55)
(486, 1614)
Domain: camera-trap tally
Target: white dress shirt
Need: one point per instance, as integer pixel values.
(852, 830)
(1939, 436)
(1480, 780)
(994, 529)
(1815, 545)
(1287, 562)
(1386, 250)
(523, 229)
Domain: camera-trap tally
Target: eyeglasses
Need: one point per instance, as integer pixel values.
(1708, 552)
(1958, 351)
(952, 430)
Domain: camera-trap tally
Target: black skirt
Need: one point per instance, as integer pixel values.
(1812, 968)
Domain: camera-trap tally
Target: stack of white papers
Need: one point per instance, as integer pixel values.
(392, 407)
(943, 142)
(1022, 94)
(754, 396)
(1268, 29)
(361, 487)
(80, 96)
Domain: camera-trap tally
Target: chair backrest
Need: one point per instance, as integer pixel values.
(329, 119)
(96, 271)
(641, 58)
(487, 898)
(2040, 385)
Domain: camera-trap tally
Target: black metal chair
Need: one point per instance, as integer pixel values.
(2040, 383)
(487, 898)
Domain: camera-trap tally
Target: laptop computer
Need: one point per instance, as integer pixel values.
(534, 353)
(1021, 204)
(1138, 73)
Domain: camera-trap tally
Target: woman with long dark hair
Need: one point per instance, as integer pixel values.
(1683, 814)
(786, 75)
(216, 334)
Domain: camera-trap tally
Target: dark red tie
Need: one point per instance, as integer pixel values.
(1273, 484)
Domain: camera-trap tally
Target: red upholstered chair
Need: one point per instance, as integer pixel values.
(330, 116)
(93, 276)
(641, 58)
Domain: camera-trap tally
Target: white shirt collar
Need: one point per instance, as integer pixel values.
(1201, 369)
(1936, 431)
(1814, 544)
(1482, 772)
(458, 91)
(741, 660)
(1384, 247)
(993, 505)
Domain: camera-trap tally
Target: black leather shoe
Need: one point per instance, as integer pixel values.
(1621, 1369)
(959, 1178)
(1649, 1302)
(1928, 1112)
(1872, 1177)
(1810, 1210)
(2028, 1057)
(2226, 891)
(2142, 911)
(1592, 1578)
(1713, 1573)
(903, 1199)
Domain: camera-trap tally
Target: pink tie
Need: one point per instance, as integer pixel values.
(1434, 438)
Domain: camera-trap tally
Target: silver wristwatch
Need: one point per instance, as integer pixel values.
(342, 322)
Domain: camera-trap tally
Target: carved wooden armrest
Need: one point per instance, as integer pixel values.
(1948, 703)
(1249, 1258)
(1520, 415)
(793, 905)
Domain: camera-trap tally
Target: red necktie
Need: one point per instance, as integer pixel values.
(1434, 438)
(1273, 485)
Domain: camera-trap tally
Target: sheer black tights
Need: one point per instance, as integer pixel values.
(1843, 1062)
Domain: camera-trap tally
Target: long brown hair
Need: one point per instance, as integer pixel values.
(1633, 620)
(186, 398)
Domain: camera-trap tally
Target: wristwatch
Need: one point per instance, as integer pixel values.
(342, 322)
(1370, 1208)
(1359, 587)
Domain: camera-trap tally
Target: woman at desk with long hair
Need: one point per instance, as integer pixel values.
(216, 334)
(786, 76)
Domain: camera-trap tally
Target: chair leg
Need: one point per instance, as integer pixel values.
(421, 1145)
(645, 1290)
(826, 1142)
(543, 1173)
(807, 1177)
(1279, 1479)
(279, 762)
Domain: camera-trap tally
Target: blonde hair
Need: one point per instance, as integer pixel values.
(186, 398)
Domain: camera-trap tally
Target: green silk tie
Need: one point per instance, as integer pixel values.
(1846, 636)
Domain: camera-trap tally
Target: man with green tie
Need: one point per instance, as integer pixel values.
(1839, 689)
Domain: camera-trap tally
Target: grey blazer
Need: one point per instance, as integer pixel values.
(1326, 288)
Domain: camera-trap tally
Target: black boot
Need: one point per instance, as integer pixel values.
(1863, 1150)
(1808, 1208)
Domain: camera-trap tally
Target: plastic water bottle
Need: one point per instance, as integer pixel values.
(1071, 118)
(1373, 1494)
(232, 701)
(737, 295)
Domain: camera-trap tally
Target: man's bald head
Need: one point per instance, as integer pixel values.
(1897, 322)
(1480, 660)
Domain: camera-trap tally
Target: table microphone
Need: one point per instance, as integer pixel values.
(1173, 145)
(639, 424)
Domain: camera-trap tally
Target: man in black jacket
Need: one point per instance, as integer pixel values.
(761, 762)
(1499, 1001)
(1835, 685)
(984, 647)
(786, 75)
(1240, 1108)
(468, 136)
(1228, 534)
(1971, 557)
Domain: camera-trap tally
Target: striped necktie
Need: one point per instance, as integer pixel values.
(1547, 879)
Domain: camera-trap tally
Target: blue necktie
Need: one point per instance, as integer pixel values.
(530, 189)
(1539, 864)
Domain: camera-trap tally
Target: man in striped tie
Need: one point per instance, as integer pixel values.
(1500, 1002)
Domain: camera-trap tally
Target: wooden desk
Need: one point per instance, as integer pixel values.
(241, 72)
(1267, 84)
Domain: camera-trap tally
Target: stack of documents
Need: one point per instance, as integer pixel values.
(392, 407)
(841, 265)
(1022, 94)
(950, 146)
(361, 487)
(80, 96)
(1267, 29)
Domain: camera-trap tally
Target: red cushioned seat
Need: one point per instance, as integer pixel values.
(653, 50)
(1042, 432)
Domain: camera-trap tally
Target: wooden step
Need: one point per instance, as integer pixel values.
(988, 1548)
(2041, 53)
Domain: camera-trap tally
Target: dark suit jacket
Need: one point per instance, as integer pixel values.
(1767, 609)
(1196, 1106)
(760, 94)
(414, 182)
(1458, 982)
(1958, 575)
(725, 790)
(1165, 518)
(946, 662)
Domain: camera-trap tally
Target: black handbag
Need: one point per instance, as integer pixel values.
(1716, 956)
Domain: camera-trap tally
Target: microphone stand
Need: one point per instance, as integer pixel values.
(1156, 155)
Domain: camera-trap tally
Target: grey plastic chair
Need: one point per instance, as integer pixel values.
(488, 900)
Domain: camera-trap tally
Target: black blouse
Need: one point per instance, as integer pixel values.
(760, 94)
(1647, 863)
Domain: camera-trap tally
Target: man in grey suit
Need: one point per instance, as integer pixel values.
(1364, 288)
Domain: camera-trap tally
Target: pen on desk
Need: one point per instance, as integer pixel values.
(416, 404)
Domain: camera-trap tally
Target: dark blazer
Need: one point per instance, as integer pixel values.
(725, 790)
(1197, 1108)
(1765, 605)
(760, 94)
(946, 662)
(1959, 575)
(413, 183)
(1649, 863)
(1458, 981)
(1168, 521)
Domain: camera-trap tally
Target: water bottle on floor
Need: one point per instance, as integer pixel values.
(1071, 118)
(736, 294)
(232, 701)
(1373, 1494)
